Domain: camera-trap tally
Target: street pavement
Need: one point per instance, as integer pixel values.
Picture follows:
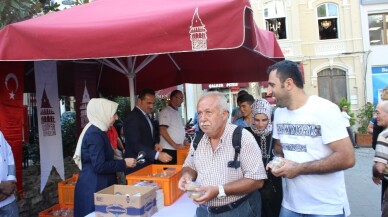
(363, 194)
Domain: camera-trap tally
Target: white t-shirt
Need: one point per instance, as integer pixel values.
(346, 119)
(175, 128)
(304, 134)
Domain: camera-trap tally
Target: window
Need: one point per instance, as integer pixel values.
(327, 21)
(378, 29)
(275, 19)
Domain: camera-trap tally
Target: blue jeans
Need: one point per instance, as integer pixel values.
(288, 213)
(251, 207)
(10, 210)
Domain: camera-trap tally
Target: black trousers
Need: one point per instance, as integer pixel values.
(351, 135)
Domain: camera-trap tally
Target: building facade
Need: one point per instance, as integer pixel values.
(325, 39)
(374, 16)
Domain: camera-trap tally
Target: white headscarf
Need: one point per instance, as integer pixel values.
(261, 106)
(99, 112)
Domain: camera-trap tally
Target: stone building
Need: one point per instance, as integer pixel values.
(374, 17)
(325, 38)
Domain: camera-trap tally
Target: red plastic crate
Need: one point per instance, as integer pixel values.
(168, 184)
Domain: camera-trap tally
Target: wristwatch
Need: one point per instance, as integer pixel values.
(221, 192)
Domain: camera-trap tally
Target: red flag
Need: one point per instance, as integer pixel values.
(11, 110)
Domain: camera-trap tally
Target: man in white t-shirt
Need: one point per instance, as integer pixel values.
(172, 129)
(310, 134)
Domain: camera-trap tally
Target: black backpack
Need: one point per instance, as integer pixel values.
(236, 142)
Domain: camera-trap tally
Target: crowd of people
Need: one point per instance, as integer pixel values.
(233, 162)
(314, 150)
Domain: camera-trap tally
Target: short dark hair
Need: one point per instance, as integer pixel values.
(245, 98)
(287, 69)
(241, 92)
(144, 92)
(174, 93)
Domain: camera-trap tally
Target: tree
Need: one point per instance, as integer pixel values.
(12, 11)
(364, 116)
(16, 10)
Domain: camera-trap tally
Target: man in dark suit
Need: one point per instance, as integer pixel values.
(140, 131)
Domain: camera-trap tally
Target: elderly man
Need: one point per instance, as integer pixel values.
(227, 190)
(380, 168)
(8, 206)
(310, 134)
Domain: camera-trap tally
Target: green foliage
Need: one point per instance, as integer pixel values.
(364, 116)
(159, 105)
(344, 102)
(69, 133)
(12, 11)
(49, 6)
(16, 10)
(124, 105)
(31, 150)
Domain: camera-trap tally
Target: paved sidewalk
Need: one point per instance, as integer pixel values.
(363, 194)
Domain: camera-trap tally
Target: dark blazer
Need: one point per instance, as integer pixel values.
(138, 137)
(98, 170)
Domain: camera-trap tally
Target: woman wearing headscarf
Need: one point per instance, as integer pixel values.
(261, 128)
(94, 156)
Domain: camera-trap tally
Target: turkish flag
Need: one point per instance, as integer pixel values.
(11, 110)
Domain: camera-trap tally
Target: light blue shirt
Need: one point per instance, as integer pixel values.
(241, 122)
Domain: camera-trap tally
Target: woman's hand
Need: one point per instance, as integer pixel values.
(130, 162)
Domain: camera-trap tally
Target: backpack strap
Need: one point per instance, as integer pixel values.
(269, 150)
(236, 142)
(197, 139)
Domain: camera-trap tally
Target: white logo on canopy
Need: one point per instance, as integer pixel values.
(198, 36)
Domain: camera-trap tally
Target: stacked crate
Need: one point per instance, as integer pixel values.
(182, 154)
(66, 199)
(169, 183)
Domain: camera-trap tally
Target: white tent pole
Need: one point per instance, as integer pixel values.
(131, 78)
(176, 64)
(112, 65)
(145, 62)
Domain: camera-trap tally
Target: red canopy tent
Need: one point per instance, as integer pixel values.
(160, 43)
(169, 42)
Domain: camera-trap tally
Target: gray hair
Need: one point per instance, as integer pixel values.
(221, 102)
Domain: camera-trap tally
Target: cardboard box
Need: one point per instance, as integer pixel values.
(125, 200)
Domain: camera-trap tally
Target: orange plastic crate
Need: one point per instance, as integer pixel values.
(66, 191)
(182, 154)
(168, 184)
(50, 212)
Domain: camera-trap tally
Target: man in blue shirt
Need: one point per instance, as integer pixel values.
(244, 103)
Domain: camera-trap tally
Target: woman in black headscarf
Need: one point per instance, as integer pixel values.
(261, 128)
